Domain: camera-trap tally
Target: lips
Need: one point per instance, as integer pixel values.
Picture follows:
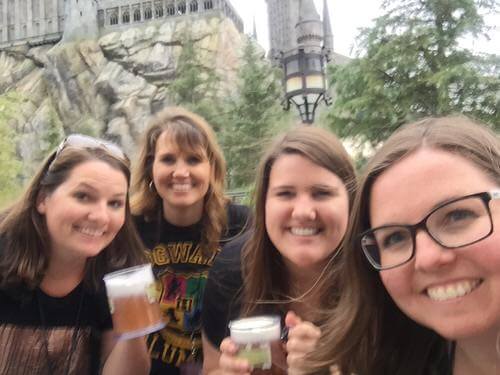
(452, 290)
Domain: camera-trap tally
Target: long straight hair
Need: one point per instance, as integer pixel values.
(366, 332)
(264, 273)
(25, 240)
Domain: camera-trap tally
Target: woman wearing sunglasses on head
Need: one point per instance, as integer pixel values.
(421, 290)
(70, 227)
(182, 217)
(285, 265)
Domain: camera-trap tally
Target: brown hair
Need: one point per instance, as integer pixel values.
(366, 332)
(189, 131)
(25, 237)
(264, 273)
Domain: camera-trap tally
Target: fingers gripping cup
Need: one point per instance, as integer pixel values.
(254, 337)
(134, 309)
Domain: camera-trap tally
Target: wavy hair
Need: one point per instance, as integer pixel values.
(264, 273)
(366, 332)
(192, 132)
(24, 233)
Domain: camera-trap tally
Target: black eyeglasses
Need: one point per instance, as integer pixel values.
(84, 141)
(454, 224)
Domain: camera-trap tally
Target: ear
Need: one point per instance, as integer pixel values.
(41, 204)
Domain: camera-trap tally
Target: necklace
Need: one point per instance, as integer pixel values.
(74, 337)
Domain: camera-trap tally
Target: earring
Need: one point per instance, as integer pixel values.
(151, 186)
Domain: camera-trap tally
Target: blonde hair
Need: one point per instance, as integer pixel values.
(189, 131)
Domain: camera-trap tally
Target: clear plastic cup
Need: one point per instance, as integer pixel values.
(132, 302)
(254, 337)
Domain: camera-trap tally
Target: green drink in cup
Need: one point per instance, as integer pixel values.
(254, 337)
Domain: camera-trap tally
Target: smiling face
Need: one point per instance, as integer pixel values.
(306, 212)
(85, 212)
(454, 292)
(181, 177)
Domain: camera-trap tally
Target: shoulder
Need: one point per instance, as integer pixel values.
(238, 219)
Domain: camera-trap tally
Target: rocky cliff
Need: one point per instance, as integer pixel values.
(107, 87)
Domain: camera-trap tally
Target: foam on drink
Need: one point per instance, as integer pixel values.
(254, 336)
(132, 302)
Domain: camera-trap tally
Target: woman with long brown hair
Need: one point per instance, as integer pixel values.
(70, 227)
(421, 273)
(304, 186)
(182, 216)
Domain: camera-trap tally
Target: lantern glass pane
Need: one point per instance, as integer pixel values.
(314, 81)
(293, 84)
(292, 67)
(314, 64)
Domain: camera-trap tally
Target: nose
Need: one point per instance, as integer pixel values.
(99, 212)
(181, 169)
(429, 255)
(304, 209)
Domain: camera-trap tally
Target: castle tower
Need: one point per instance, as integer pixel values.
(283, 15)
(309, 28)
(327, 30)
(80, 20)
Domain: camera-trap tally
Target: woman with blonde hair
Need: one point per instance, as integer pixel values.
(70, 227)
(421, 273)
(304, 187)
(182, 216)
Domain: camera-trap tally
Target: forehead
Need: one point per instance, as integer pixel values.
(98, 175)
(411, 187)
(170, 142)
(296, 169)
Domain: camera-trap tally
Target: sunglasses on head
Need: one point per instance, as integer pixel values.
(81, 141)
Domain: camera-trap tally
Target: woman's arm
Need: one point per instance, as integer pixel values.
(125, 357)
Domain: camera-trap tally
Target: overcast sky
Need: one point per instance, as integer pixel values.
(346, 16)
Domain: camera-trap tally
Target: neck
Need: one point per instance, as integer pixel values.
(183, 216)
(478, 355)
(62, 276)
(303, 285)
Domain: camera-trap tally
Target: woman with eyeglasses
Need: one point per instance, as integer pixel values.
(285, 265)
(421, 273)
(70, 227)
(183, 217)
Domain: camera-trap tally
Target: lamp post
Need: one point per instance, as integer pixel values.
(304, 64)
(305, 82)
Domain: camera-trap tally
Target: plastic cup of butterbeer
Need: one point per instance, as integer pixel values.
(132, 302)
(254, 337)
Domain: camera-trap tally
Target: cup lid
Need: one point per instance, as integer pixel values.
(255, 329)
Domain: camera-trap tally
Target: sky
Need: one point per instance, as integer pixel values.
(347, 16)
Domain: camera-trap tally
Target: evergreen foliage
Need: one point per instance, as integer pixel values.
(253, 115)
(412, 66)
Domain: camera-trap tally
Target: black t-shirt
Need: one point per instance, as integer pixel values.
(222, 299)
(181, 270)
(40, 334)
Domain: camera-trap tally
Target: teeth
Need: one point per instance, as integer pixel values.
(181, 187)
(91, 232)
(304, 231)
(443, 293)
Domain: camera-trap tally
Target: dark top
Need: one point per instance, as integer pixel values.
(40, 334)
(221, 302)
(181, 270)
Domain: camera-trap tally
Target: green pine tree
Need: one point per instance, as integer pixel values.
(412, 66)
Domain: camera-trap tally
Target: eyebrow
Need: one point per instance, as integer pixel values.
(90, 187)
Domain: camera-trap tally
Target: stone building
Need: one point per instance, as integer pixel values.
(284, 15)
(36, 22)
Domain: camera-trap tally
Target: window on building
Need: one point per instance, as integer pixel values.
(148, 14)
(193, 6)
(158, 10)
(170, 9)
(125, 16)
(207, 4)
(181, 8)
(137, 15)
(113, 18)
